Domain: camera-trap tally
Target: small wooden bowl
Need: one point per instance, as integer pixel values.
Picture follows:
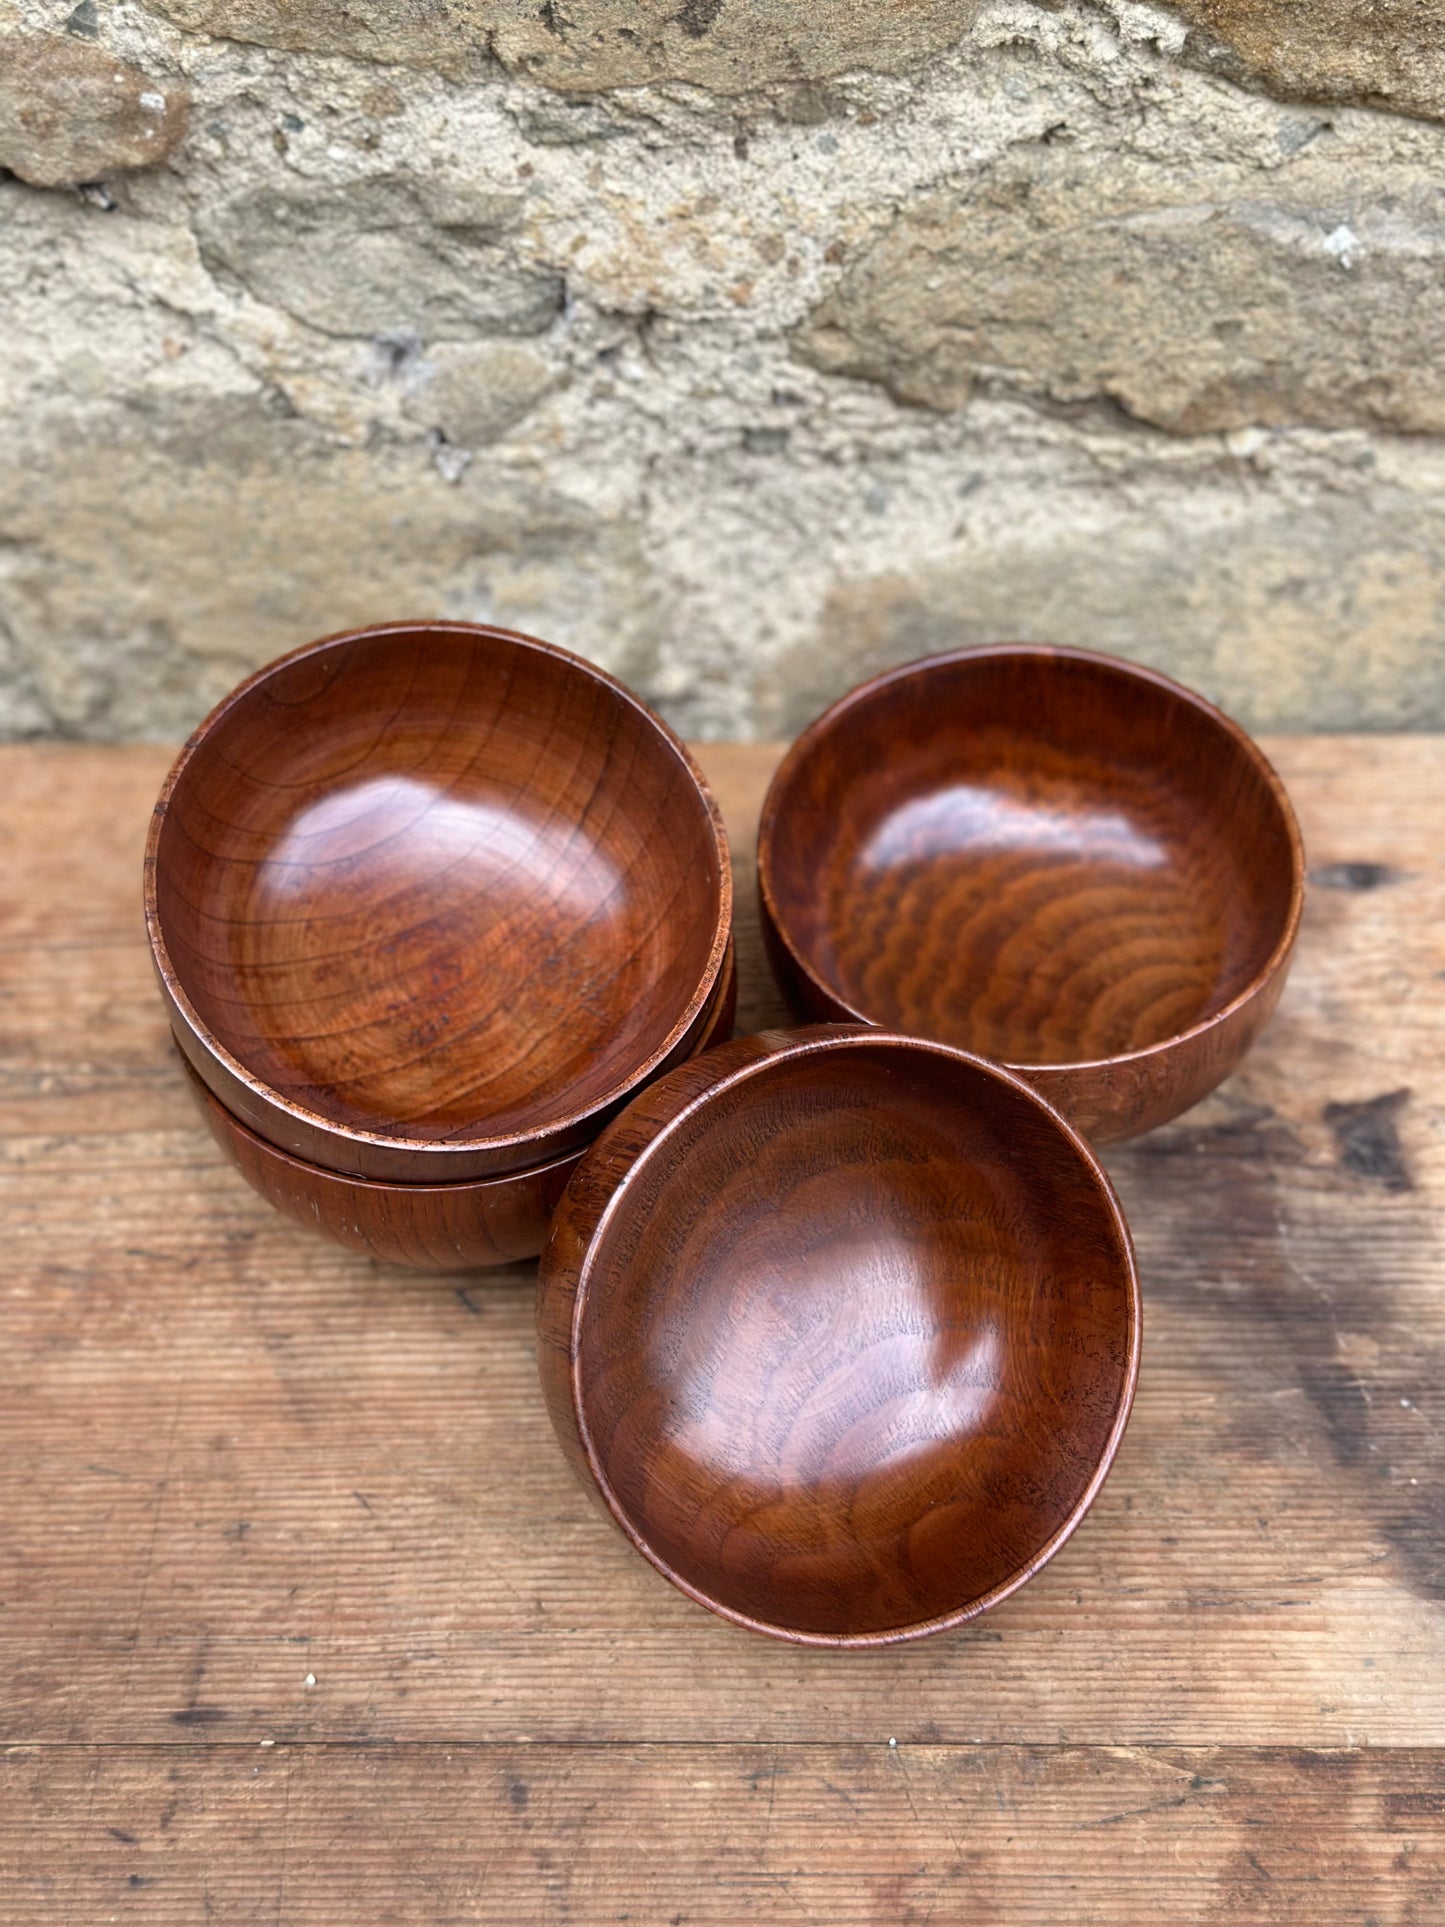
(430, 901)
(1060, 861)
(843, 1327)
(472, 1225)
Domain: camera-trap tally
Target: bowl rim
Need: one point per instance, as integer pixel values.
(493, 1181)
(276, 1155)
(536, 1140)
(810, 1041)
(1127, 671)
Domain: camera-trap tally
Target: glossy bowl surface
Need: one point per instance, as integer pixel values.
(1055, 859)
(471, 1224)
(843, 1327)
(430, 901)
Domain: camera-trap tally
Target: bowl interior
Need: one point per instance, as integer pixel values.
(437, 883)
(1042, 858)
(854, 1344)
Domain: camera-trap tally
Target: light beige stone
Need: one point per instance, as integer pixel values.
(1329, 615)
(1385, 53)
(473, 393)
(153, 560)
(439, 337)
(70, 113)
(1198, 298)
(586, 46)
(374, 258)
(729, 46)
(447, 34)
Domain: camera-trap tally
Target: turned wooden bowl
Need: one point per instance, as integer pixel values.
(430, 901)
(471, 1224)
(843, 1328)
(1057, 860)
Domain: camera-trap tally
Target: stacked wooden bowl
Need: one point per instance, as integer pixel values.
(839, 1325)
(429, 904)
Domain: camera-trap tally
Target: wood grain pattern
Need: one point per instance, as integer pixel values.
(410, 907)
(1059, 860)
(844, 1328)
(232, 1456)
(844, 1836)
(473, 1224)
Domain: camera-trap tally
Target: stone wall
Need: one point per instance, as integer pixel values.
(744, 346)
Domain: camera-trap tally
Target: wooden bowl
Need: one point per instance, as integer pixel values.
(843, 1327)
(472, 1224)
(431, 901)
(1060, 861)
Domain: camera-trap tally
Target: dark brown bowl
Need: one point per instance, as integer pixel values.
(430, 901)
(472, 1224)
(843, 1327)
(1058, 860)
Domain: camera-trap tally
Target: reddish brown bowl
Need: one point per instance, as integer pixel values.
(1057, 860)
(430, 901)
(472, 1224)
(843, 1327)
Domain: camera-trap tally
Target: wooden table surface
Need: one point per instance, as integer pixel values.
(302, 1618)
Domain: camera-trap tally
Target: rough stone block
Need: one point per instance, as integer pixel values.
(1199, 298)
(71, 113)
(153, 559)
(450, 35)
(1379, 53)
(586, 46)
(1330, 610)
(474, 392)
(372, 258)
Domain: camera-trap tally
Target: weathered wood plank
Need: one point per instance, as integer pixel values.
(230, 1456)
(852, 1836)
(73, 822)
